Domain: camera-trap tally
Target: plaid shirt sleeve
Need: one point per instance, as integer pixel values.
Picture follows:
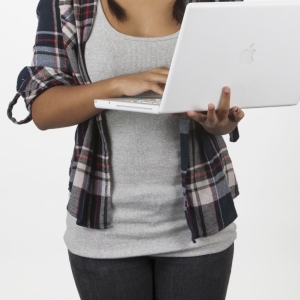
(50, 65)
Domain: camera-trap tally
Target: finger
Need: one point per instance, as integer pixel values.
(155, 87)
(180, 115)
(236, 114)
(211, 115)
(160, 70)
(199, 117)
(156, 77)
(164, 67)
(224, 106)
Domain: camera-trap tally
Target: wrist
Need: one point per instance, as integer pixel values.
(108, 88)
(115, 84)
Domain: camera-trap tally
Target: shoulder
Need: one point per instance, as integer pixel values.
(48, 14)
(46, 6)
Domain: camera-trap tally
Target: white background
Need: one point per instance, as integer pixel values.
(34, 179)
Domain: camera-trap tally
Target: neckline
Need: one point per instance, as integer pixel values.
(130, 37)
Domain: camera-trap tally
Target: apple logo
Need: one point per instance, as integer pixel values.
(246, 57)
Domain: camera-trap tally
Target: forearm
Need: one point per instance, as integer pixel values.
(64, 106)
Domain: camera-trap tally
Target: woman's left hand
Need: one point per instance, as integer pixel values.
(220, 121)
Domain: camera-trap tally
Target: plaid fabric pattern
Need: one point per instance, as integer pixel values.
(208, 179)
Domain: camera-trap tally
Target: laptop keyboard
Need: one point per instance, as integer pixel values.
(151, 101)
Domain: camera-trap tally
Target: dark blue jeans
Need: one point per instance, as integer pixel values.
(146, 278)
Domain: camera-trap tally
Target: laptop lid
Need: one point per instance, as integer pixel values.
(251, 47)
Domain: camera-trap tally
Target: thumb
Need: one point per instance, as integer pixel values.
(236, 114)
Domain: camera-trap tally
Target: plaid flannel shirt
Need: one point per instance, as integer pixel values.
(208, 179)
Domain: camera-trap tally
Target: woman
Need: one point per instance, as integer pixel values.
(126, 233)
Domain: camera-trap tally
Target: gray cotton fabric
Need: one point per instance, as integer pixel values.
(148, 209)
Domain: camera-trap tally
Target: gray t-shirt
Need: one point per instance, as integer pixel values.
(148, 207)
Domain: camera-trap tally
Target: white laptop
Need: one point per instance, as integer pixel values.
(254, 48)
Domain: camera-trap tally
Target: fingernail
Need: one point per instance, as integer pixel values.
(211, 106)
(237, 109)
(226, 90)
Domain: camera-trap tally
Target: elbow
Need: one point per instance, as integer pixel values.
(39, 116)
(39, 121)
(40, 125)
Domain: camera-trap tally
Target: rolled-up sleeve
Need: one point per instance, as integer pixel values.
(50, 64)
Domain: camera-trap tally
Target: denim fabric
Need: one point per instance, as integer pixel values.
(147, 278)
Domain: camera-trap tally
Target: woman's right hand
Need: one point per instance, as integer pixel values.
(138, 83)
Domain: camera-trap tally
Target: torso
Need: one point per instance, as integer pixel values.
(148, 207)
